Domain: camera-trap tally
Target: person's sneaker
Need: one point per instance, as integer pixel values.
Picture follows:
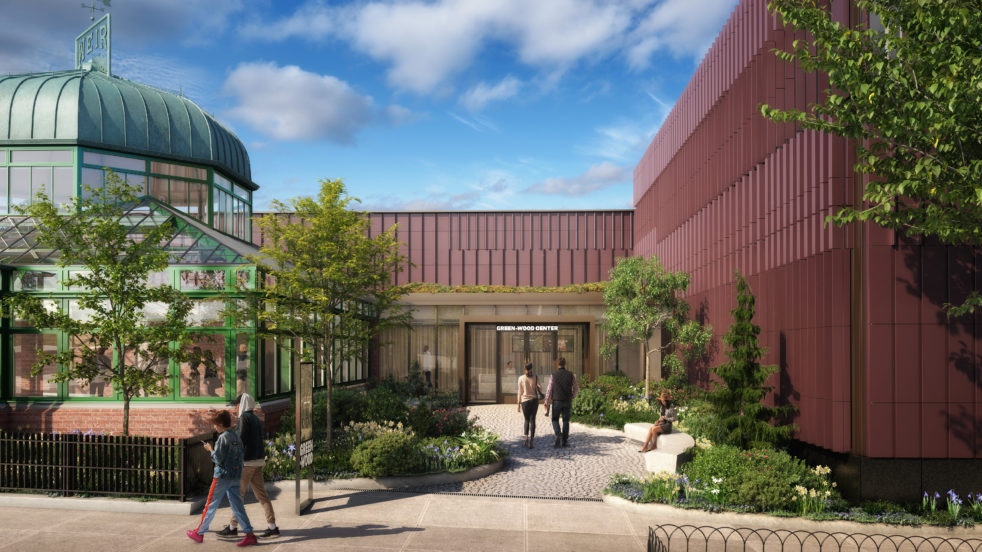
(250, 538)
(228, 531)
(274, 532)
(564, 443)
(195, 536)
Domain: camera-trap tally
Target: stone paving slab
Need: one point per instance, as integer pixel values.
(580, 470)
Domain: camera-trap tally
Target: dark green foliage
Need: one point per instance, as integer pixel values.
(422, 421)
(414, 381)
(737, 397)
(388, 454)
(588, 401)
(348, 405)
(382, 405)
(760, 478)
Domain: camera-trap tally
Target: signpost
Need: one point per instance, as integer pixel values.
(92, 47)
(305, 430)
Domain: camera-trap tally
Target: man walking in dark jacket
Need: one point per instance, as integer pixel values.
(250, 430)
(560, 394)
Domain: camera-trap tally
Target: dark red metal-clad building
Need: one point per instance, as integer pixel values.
(513, 248)
(888, 389)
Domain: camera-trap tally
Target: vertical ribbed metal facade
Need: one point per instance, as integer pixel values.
(853, 317)
(515, 248)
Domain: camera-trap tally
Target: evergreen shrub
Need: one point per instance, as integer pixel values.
(388, 454)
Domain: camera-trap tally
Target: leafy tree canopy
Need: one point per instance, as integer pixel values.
(641, 297)
(910, 95)
(326, 281)
(116, 338)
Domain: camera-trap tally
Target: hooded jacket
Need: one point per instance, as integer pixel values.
(250, 429)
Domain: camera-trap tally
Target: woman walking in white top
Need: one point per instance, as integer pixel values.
(528, 402)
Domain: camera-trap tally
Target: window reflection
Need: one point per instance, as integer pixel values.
(203, 375)
(26, 347)
(102, 357)
(195, 280)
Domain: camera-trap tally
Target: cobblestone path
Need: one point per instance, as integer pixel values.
(580, 470)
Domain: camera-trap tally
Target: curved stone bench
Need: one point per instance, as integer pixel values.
(672, 450)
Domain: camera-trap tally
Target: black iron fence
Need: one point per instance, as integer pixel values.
(686, 538)
(74, 464)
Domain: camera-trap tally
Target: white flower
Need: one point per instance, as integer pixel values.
(717, 480)
(715, 491)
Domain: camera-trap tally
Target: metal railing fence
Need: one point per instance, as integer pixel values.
(76, 463)
(691, 538)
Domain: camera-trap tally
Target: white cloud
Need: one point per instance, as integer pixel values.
(475, 122)
(288, 103)
(675, 26)
(477, 97)
(595, 178)
(494, 190)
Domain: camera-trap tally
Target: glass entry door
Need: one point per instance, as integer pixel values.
(491, 347)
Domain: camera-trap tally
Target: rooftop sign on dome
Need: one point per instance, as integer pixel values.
(92, 47)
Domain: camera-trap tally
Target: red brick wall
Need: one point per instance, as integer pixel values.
(108, 419)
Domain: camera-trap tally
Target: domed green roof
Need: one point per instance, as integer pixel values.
(90, 108)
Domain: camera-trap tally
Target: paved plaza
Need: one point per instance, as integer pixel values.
(580, 470)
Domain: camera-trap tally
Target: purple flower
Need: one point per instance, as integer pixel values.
(292, 447)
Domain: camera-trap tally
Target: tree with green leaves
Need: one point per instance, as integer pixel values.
(642, 298)
(129, 328)
(737, 396)
(328, 284)
(908, 92)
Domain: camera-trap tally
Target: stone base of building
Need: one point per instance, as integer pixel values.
(151, 420)
(896, 479)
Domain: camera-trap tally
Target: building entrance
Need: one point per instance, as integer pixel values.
(491, 346)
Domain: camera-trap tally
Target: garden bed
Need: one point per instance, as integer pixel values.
(405, 481)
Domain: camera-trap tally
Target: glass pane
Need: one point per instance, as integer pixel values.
(240, 191)
(179, 195)
(285, 366)
(64, 186)
(72, 274)
(35, 281)
(26, 348)
(80, 314)
(3, 156)
(50, 305)
(197, 200)
(207, 314)
(243, 358)
(3, 189)
(114, 161)
(155, 313)
(159, 278)
(483, 375)
(41, 156)
(180, 171)
(20, 186)
(161, 366)
(100, 386)
(192, 280)
(92, 179)
(222, 181)
(138, 183)
(204, 374)
(158, 189)
(40, 181)
(269, 367)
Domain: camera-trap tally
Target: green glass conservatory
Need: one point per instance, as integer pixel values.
(60, 132)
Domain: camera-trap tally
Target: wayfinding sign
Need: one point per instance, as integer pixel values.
(305, 430)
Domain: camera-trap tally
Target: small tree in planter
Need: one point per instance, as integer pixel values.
(737, 397)
(642, 298)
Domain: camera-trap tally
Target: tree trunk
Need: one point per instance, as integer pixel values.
(126, 415)
(647, 377)
(329, 374)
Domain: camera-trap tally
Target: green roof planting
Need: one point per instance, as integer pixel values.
(93, 109)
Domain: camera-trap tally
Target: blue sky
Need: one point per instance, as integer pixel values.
(417, 105)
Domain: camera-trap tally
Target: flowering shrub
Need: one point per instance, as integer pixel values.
(473, 448)
(452, 421)
(355, 433)
(280, 457)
